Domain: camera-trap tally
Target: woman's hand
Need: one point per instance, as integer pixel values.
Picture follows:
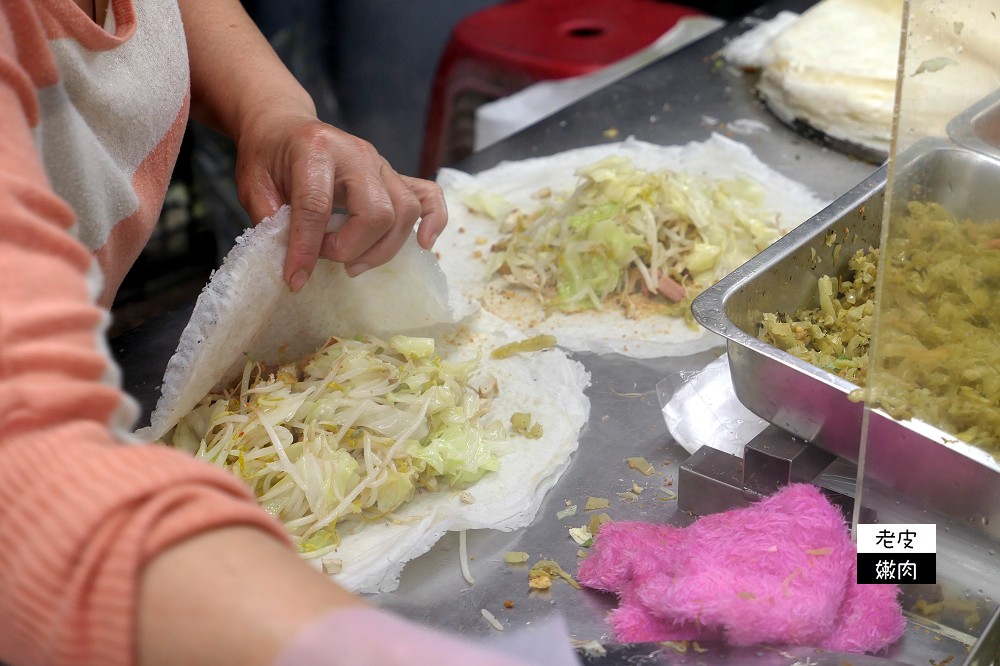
(290, 157)
(285, 155)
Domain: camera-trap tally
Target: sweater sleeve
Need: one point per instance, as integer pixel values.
(80, 512)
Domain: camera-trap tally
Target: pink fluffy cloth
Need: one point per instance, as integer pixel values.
(782, 571)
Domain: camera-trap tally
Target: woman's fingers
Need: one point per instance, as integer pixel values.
(369, 240)
(433, 210)
(316, 168)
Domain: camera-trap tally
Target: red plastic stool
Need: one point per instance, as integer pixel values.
(502, 49)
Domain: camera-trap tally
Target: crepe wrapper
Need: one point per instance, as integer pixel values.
(607, 330)
(247, 310)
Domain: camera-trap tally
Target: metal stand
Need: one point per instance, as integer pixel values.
(711, 480)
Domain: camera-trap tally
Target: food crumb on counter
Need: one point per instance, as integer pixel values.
(640, 465)
(594, 503)
(590, 648)
(332, 566)
(541, 573)
(540, 581)
(570, 510)
(596, 521)
(492, 619)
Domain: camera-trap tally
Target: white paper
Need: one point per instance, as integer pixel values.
(704, 411)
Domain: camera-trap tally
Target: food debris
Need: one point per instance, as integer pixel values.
(463, 558)
(934, 65)
(820, 551)
(683, 646)
(640, 465)
(590, 648)
(582, 536)
(521, 423)
(332, 565)
(594, 503)
(508, 603)
(581, 553)
(570, 510)
(539, 581)
(546, 569)
(636, 488)
(515, 557)
(492, 619)
(610, 133)
(536, 343)
(596, 521)
(482, 240)
(466, 497)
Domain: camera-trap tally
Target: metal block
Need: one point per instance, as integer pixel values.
(710, 481)
(774, 459)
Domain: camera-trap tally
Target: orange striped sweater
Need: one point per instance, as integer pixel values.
(90, 124)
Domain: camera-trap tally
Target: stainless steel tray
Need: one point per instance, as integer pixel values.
(922, 462)
(978, 127)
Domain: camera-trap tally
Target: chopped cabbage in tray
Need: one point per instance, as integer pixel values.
(937, 348)
(836, 335)
(625, 232)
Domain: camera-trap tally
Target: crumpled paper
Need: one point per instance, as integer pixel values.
(701, 409)
(246, 309)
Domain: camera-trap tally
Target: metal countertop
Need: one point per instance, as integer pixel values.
(683, 97)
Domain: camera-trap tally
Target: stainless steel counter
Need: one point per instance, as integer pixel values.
(683, 97)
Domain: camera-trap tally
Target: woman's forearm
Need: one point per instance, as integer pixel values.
(233, 595)
(235, 74)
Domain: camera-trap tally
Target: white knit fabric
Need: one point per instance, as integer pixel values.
(109, 111)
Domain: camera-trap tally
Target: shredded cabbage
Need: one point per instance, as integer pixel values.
(347, 435)
(937, 353)
(625, 233)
